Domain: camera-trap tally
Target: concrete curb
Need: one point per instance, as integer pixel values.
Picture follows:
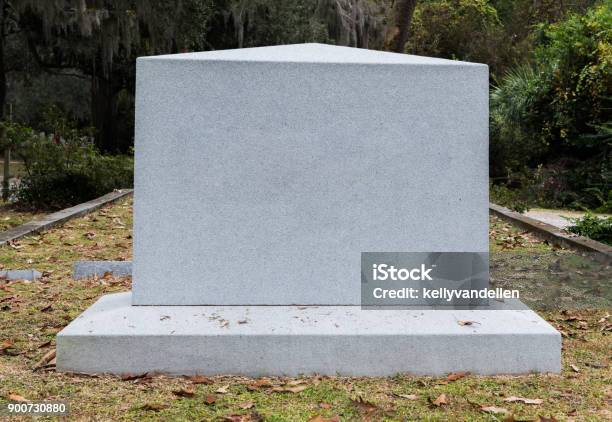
(60, 217)
(554, 234)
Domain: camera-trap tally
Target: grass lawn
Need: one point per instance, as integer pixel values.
(31, 313)
(11, 217)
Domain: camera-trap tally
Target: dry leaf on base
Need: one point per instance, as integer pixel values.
(466, 322)
(246, 405)
(210, 399)
(524, 400)
(575, 368)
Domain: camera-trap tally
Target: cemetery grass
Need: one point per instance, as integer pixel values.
(31, 313)
(10, 216)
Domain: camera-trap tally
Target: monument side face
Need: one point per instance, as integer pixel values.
(262, 182)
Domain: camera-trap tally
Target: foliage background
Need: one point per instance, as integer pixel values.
(549, 64)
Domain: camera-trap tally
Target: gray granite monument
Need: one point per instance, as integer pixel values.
(281, 166)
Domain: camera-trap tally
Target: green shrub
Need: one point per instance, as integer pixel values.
(63, 171)
(514, 199)
(593, 227)
(550, 121)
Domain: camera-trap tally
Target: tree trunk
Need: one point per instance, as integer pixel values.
(3, 87)
(103, 113)
(397, 33)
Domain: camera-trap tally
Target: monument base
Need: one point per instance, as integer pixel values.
(112, 336)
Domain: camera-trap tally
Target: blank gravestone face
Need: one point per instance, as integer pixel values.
(263, 173)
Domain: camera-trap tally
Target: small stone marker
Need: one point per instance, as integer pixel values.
(20, 274)
(85, 269)
(282, 165)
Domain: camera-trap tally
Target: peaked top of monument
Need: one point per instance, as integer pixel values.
(309, 53)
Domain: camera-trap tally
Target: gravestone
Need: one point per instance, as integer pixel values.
(263, 177)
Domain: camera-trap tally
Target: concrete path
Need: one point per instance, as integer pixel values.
(555, 217)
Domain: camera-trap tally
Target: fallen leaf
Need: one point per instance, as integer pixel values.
(524, 400)
(363, 405)
(324, 405)
(597, 365)
(407, 396)
(322, 419)
(285, 389)
(252, 417)
(246, 405)
(456, 375)
(16, 397)
(574, 368)
(261, 383)
(465, 322)
(543, 419)
(210, 399)
(45, 360)
(222, 390)
(45, 344)
(199, 379)
(155, 407)
(441, 400)
(132, 377)
(493, 409)
(184, 392)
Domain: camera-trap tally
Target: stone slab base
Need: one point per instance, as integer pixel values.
(114, 337)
